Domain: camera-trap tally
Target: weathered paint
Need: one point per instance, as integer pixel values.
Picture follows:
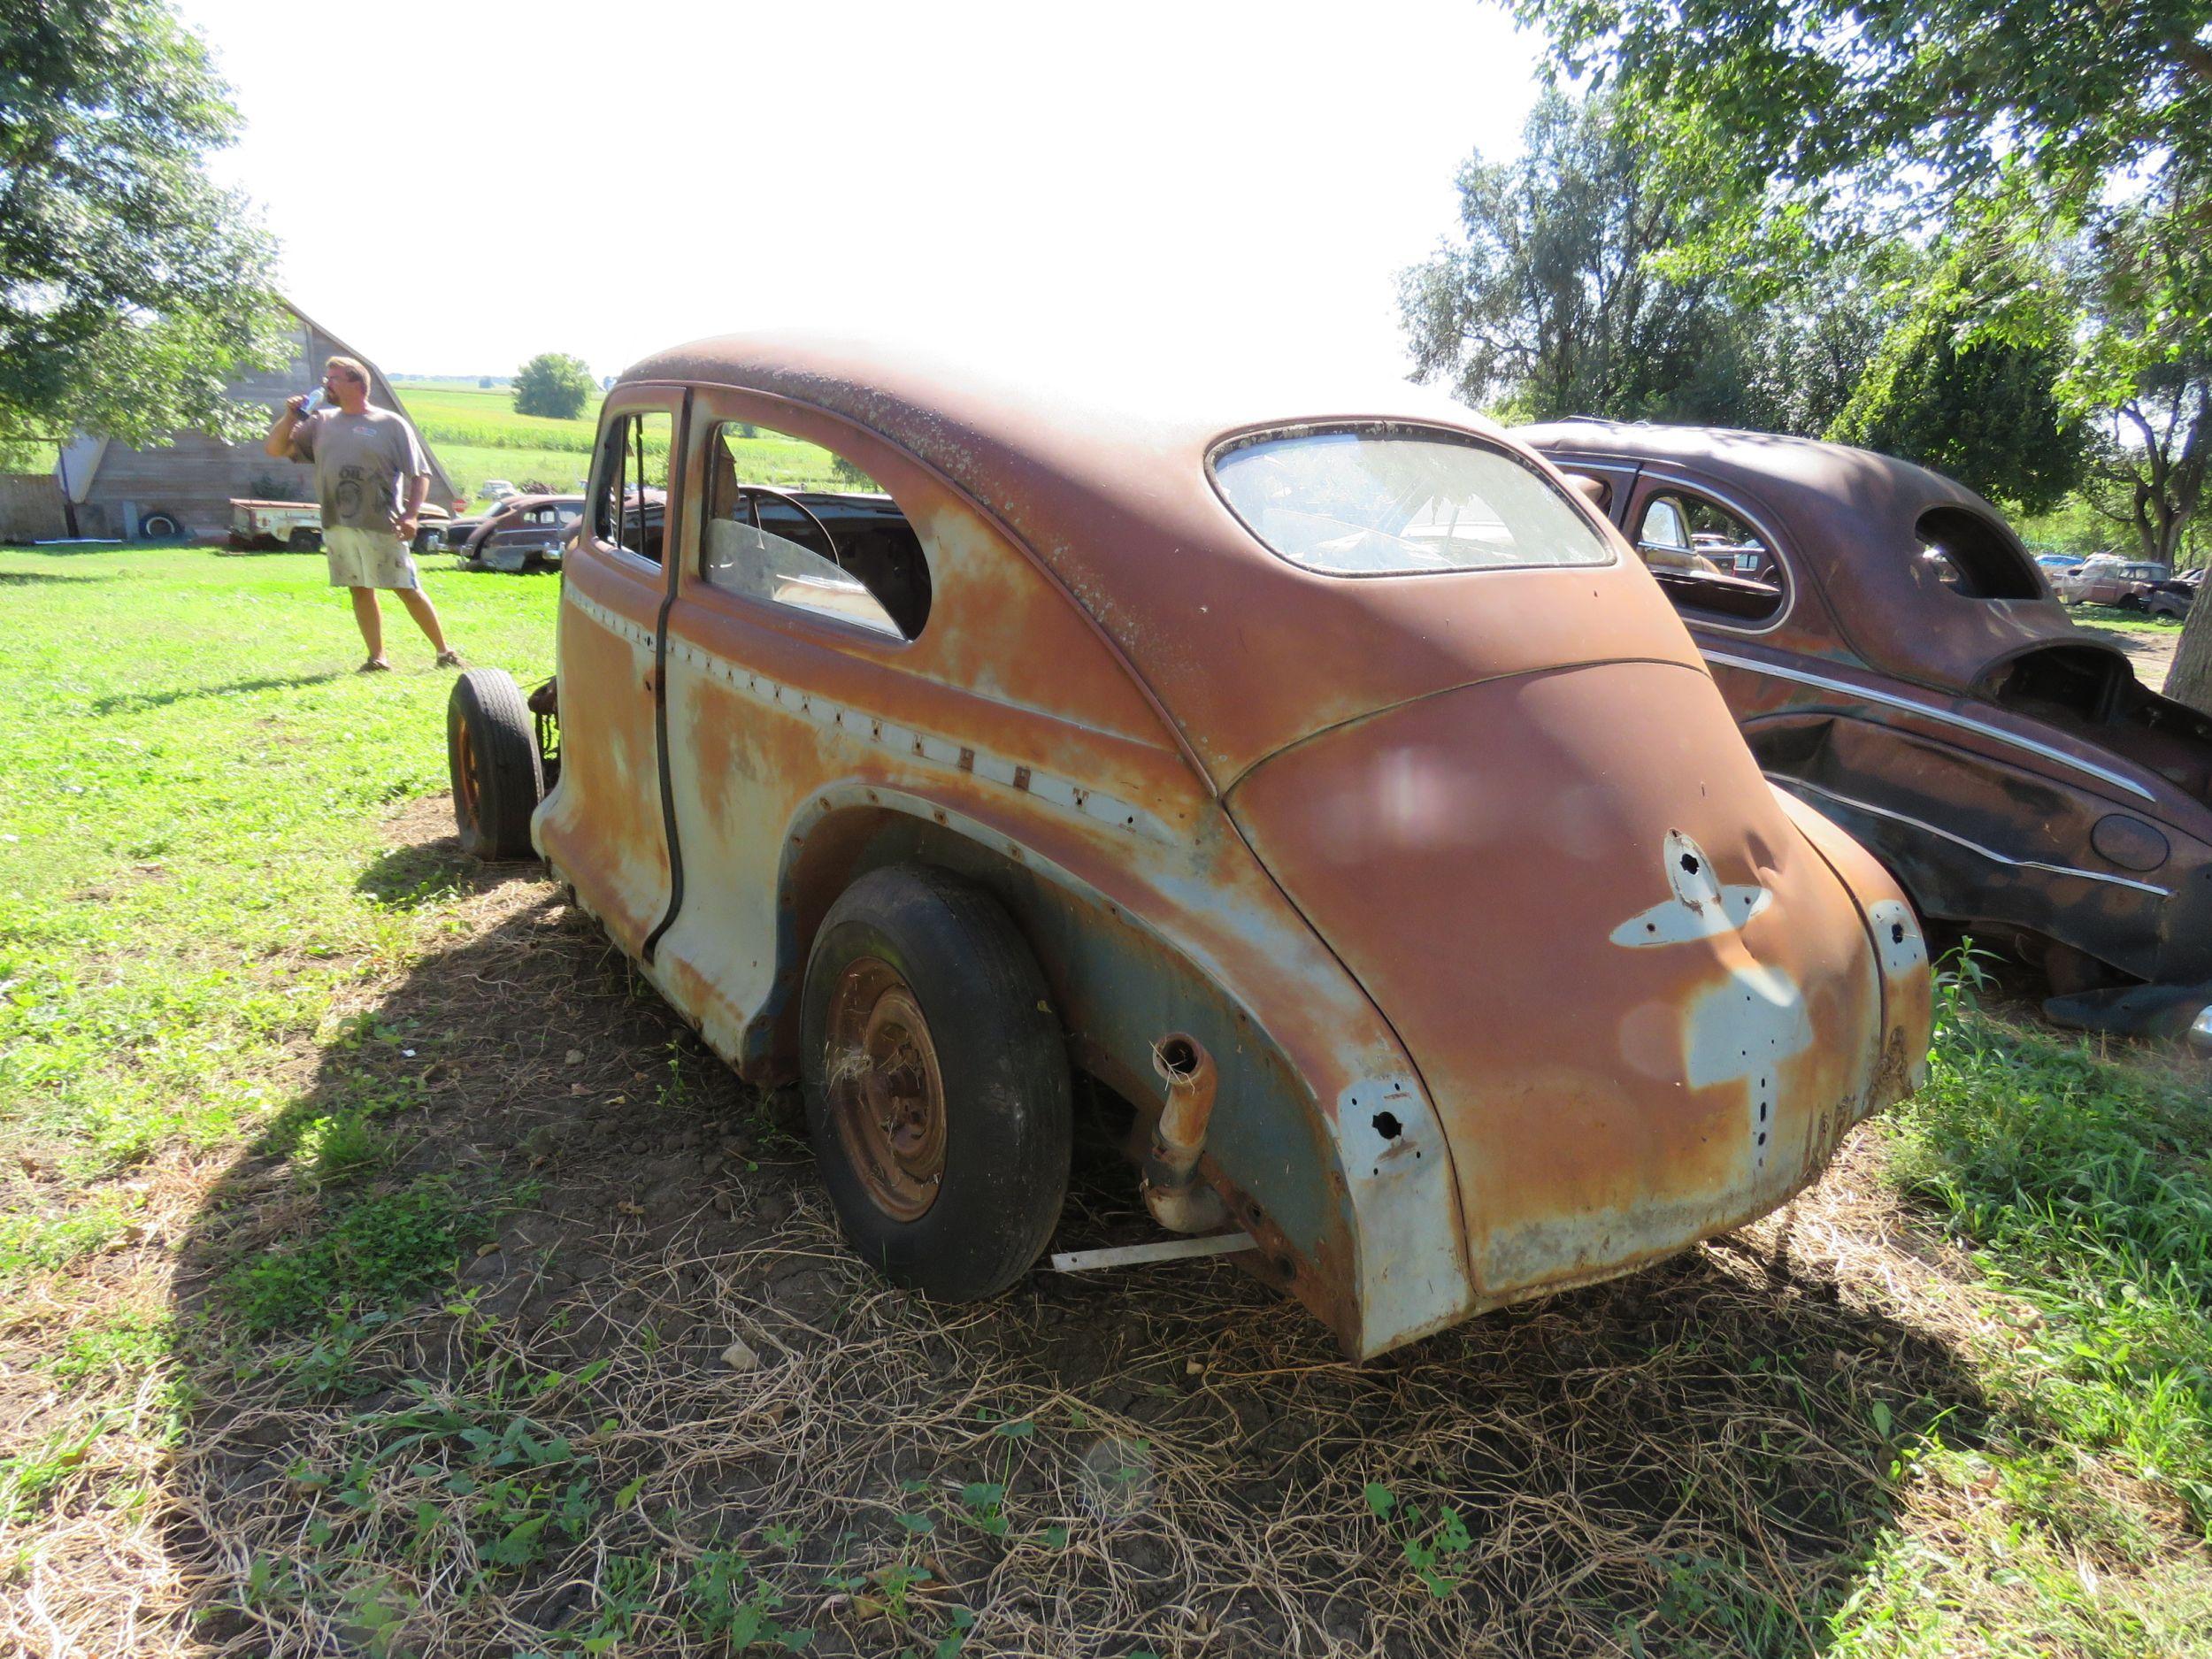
(1407, 1123)
(1724, 1022)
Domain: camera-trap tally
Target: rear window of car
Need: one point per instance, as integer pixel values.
(1399, 502)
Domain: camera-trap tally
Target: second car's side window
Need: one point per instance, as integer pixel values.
(1708, 559)
(629, 506)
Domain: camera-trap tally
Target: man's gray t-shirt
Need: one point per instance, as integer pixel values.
(359, 461)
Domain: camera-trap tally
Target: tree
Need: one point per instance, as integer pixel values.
(1545, 304)
(1983, 411)
(132, 288)
(1552, 298)
(1826, 123)
(2148, 467)
(553, 384)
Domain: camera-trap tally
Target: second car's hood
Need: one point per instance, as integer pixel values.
(1645, 1007)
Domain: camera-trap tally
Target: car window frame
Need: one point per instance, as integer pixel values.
(816, 627)
(1228, 443)
(1656, 479)
(646, 398)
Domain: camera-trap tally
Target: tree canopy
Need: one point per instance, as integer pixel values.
(1559, 295)
(2053, 151)
(132, 288)
(553, 384)
(1545, 303)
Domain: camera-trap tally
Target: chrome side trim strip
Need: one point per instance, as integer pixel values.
(1964, 722)
(1787, 782)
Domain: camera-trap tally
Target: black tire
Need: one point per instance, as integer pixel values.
(160, 527)
(1006, 1125)
(303, 540)
(492, 750)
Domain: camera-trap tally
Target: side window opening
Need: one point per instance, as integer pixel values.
(789, 523)
(629, 505)
(1709, 560)
(1974, 557)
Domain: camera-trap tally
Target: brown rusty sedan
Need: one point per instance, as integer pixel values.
(1898, 661)
(1328, 782)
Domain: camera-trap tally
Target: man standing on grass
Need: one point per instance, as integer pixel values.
(364, 459)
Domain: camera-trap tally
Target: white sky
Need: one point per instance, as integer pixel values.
(1245, 178)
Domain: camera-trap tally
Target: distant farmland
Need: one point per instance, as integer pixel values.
(478, 436)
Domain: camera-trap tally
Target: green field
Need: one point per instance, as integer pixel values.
(383, 1269)
(477, 436)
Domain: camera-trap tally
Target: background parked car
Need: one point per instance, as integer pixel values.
(1904, 670)
(2106, 580)
(526, 530)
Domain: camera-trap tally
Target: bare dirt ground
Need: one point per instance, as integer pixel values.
(1186, 1462)
(2153, 654)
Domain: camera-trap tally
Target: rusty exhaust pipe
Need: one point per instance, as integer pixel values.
(1179, 1200)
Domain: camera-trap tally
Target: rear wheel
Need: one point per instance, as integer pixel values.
(492, 750)
(936, 1082)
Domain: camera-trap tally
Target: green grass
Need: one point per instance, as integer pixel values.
(200, 908)
(2126, 621)
(190, 781)
(2083, 1189)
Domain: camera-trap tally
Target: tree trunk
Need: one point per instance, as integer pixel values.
(2190, 680)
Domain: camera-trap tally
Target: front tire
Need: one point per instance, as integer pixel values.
(492, 751)
(936, 1082)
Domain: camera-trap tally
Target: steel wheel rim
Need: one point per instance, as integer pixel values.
(465, 778)
(885, 1089)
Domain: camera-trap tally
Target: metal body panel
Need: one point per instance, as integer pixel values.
(1725, 1022)
(1115, 501)
(602, 826)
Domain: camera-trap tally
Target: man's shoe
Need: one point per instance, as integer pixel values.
(450, 660)
(374, 665)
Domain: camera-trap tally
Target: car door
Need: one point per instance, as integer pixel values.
(851, 640)
(604, 825)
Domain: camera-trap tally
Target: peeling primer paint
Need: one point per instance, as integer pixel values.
(1090, 802)
(1746, 1026)
(1700, 907)
(1411, 1266)
(1897, 936)
(1742, 1030)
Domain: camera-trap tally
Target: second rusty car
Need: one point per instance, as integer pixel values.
(1900, 663)
(1322, 777)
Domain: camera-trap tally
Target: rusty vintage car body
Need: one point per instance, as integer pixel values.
(1907, 670)
(1417, 856)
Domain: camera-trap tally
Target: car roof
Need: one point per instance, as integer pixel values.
(1849, 514)
(1100, 468)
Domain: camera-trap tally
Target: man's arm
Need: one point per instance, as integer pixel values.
(416, 464)
(278, 444)
(410, 520)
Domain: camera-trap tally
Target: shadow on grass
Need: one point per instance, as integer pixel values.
(32, 579)
(423, 872)
(464, 1381)
(132, 701)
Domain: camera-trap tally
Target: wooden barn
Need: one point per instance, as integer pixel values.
(184, 487)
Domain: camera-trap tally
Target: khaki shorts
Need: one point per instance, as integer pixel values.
(367, 559)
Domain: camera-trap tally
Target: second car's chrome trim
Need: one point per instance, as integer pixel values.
(1788, 782)
(1964, 722)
